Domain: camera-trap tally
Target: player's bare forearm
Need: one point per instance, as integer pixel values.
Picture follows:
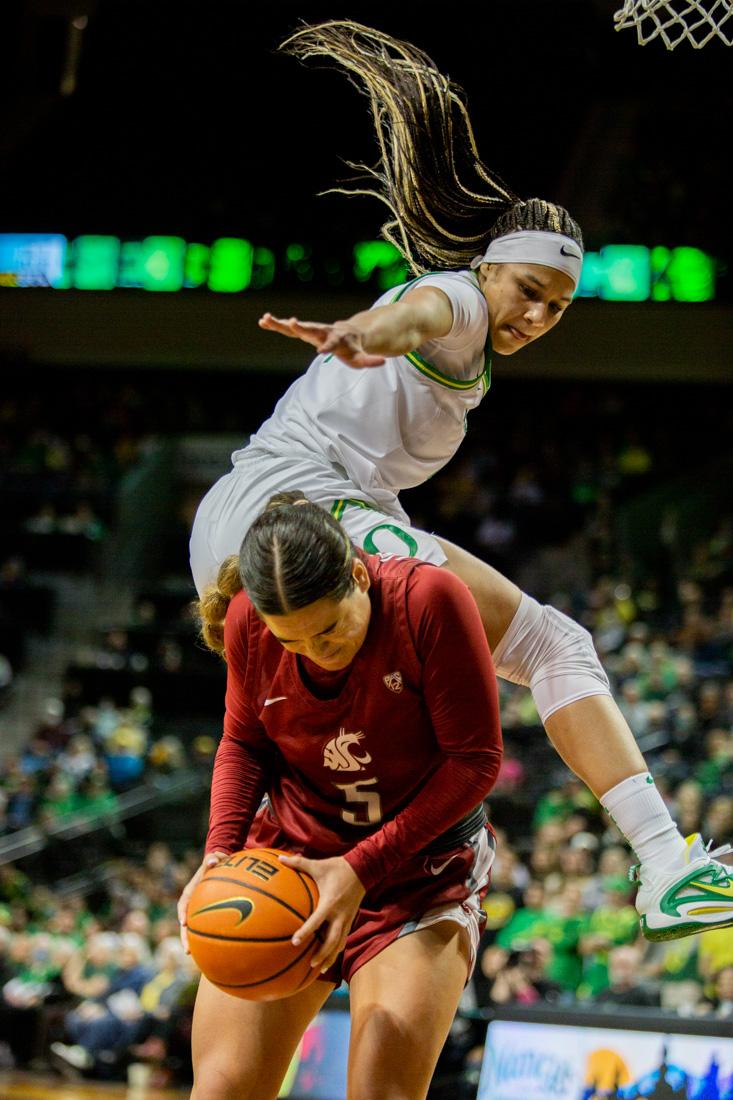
(367, 338)
(399, 327)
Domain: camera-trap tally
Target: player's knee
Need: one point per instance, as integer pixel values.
(571, 669)
(553, 655)
(214, 1079)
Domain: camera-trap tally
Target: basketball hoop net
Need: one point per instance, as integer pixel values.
(675, 21)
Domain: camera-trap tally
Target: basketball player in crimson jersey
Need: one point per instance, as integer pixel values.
(361, 700)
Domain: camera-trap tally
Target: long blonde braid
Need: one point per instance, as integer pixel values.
(443, 198)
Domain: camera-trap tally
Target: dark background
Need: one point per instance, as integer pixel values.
(185, 120)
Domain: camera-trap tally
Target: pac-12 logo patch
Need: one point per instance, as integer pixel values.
(393, 680)
(338, 754)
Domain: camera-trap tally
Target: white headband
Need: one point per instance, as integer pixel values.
(535, 246)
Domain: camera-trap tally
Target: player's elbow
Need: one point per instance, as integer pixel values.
(485, 768)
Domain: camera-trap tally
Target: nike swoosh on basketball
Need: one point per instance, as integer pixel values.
(242, 905)
(442, 866)
(275, 699)
(566, 252)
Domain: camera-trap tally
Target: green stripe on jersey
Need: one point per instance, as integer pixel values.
(339, 506)
(431, 372)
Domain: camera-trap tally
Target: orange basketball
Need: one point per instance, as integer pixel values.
(241, 917)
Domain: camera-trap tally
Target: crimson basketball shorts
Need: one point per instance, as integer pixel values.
(422, 891)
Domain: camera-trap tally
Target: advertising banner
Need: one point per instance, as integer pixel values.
(530, 1061)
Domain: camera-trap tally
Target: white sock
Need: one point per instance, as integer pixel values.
(637, 807)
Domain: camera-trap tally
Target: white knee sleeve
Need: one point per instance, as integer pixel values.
(549, 653)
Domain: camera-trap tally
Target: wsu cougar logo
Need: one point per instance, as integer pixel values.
(337, 754)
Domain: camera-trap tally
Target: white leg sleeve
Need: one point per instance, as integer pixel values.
(552, 655)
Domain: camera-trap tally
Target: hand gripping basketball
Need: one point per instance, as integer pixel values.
(241, 916)
(339, 896)
(210, 860)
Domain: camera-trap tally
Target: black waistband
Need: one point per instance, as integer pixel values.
(459, 833)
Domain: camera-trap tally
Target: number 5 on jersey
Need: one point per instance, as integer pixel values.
(367, 805)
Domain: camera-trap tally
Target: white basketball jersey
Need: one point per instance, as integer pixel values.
(394, 426)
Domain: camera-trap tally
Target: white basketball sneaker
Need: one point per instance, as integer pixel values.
(678, 902)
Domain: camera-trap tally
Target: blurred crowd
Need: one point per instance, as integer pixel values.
(94, 984)
(63, 451)
(92, 975)
(78, 762)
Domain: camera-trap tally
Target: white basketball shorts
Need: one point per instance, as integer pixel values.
(375, 521)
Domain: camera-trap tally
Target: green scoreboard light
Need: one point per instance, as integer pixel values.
(232, 265)
(196, 265)
(627, 273)
(682, 274)
(94, 263)
(634, 273)
(103, 263)
(382, 257)
(161, 261)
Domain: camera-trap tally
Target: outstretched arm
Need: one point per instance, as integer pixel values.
(367, 338)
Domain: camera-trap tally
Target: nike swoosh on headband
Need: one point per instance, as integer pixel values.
(535, 246)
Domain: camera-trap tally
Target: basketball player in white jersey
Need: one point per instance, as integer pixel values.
(383, 406)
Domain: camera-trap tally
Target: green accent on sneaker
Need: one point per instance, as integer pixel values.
(701, 891)
(679, 931)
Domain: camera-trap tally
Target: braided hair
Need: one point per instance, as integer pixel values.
(446, 205)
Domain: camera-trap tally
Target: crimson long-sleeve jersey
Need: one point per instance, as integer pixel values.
(409, 745)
